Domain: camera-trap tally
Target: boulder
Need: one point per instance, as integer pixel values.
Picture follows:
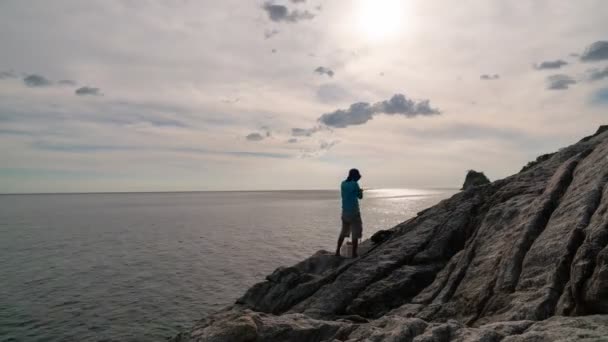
(473, 179)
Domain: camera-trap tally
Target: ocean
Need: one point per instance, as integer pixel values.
(144, 266)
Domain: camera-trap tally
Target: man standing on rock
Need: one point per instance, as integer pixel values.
(351, 216)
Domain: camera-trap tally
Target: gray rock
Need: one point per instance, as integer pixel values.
(524, 258)
(474, 179)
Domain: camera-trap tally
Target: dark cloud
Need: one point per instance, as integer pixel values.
(487, 77)
(324, 71)
(298, 1)
(270, 33)
(550, 64)
(399, 104)
(254, 137)
(304, 132)
(83, 91)
(292, 140)
(274, 51)
(575, 54)
(36, 81)
(598, 74)
(7, 74)
(361, 112)
(67, 83)
(279, 13)
(559, 82)
(596, 52)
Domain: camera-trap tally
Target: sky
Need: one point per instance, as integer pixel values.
(158, 95)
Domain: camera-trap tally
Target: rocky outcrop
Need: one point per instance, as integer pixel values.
(473, 179)
(524, 258)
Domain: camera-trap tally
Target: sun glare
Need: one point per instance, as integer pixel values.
(380, 19)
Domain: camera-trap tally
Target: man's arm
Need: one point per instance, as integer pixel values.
(359, 192)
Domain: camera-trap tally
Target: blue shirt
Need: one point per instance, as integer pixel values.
(351, 193)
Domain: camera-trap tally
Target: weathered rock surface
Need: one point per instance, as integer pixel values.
(473, 179)
(524, 258)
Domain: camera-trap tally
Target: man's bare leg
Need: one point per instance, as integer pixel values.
(355, 245)
(340, 241)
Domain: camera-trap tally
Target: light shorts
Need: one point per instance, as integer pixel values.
(351, 225)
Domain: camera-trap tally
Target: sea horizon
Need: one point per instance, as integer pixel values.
(206, 191)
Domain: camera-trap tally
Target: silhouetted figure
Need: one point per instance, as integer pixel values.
(351, 216)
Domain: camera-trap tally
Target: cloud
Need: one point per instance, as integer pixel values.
(598, 74)
(297, 1)
(596, 52)
(270, 33)
(550, 64)
(84, 91)
(399, 104)
(7, 74)
(486, 77)
(279, 13)
(326, 145)
(34, 81)
(292, 140)
(304, 132)
(361, 112)
(559, 82)
(67, 83)
(254, 137)
(324, 71)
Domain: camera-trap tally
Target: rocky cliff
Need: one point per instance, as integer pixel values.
(524, 258)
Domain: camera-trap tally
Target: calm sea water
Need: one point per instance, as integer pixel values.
(143, 266)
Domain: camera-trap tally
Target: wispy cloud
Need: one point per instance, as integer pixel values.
(70, 83)
(88, 91)
(550, 64)
(304, 132)
(361, 112)
(271, 33)
(7, 74)
(597, 74)
(487, 77)
(559, 82)
(597, 51)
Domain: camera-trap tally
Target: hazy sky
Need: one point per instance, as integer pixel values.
(145, 95)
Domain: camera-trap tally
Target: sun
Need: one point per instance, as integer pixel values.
(380, 19)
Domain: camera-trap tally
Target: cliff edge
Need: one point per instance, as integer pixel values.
(524, 258)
